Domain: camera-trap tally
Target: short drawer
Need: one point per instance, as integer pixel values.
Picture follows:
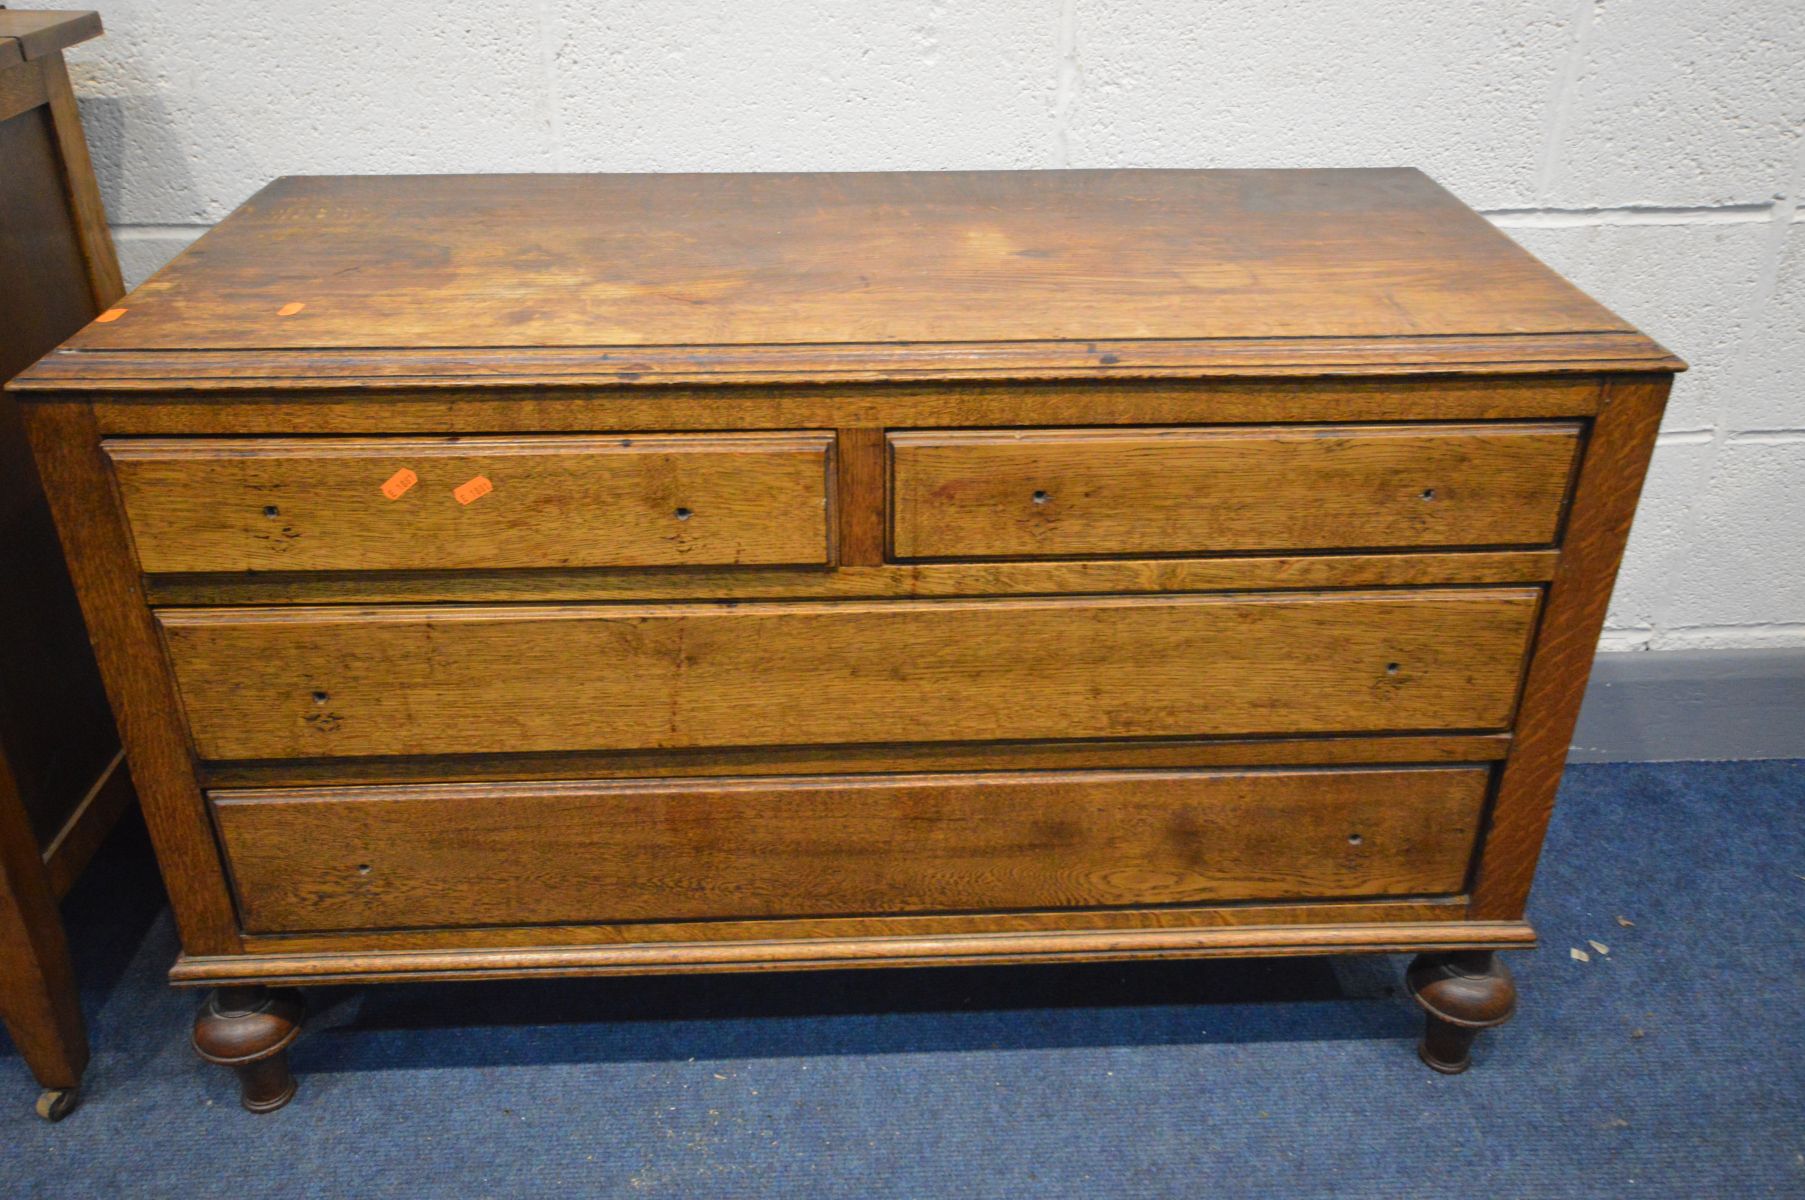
(420, 680)
(447, 503)
(457, 855)
(1044, 493)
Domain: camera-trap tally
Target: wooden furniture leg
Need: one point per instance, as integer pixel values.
(38, 997)
(62, 779)
(249, 1029)
(1460, 993)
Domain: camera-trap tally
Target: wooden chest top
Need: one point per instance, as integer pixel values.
(668, 278)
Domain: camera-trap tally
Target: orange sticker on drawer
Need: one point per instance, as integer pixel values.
(290, 309)
(475, 489)
(109, 316)
(397, 484)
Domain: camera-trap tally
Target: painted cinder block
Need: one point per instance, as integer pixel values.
(1683, 102)
(722, 86)
(1771, 366)
(1696, 288)
(1659, 540)
(1460, 90)
(1744, 564)
(212, 99)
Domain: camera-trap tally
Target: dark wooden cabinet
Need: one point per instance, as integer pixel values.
(533, 576)
(62, 778)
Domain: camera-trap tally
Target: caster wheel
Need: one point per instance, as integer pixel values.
(56, 1103)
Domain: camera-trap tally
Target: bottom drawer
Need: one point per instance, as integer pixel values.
(481, 854)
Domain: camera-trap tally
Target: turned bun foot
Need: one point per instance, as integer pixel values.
(1461, 993)
(249, 1029)
(56, 1103)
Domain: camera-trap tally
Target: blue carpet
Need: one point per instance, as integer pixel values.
(1670, 1066)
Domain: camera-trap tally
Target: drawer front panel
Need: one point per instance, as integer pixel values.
(423, 504)
(407, 680)
(327, 859)
(1077, 492)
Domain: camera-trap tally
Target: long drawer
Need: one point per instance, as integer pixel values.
(417, 680)
(1036, 493)
(448, 503)
(453, 855)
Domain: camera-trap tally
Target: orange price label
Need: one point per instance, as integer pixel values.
(109, 316)
(475, 489)
(397, 484)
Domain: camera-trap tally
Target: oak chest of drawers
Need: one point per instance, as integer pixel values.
(503, 576)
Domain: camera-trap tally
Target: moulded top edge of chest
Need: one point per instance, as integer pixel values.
(455, 371)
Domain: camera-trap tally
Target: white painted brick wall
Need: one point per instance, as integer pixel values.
(1653, 150)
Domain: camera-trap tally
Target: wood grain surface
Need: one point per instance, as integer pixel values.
(860, 466)
(1118, 753)
(1170, 917)
(138, 683)
(1044, 493)
(62, 785)
(480, 854)
(1312, 533)
(41, 33)
(44, 292)
(39, 1002)
(325, 682)
(80, 187)
(463, 371)
(55, 731)
(1005, 256)
(262, 408)
(1231, 573)
(22, 87)
(805, 952)
(893, 272)
(351, 504)
(1622, 442)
